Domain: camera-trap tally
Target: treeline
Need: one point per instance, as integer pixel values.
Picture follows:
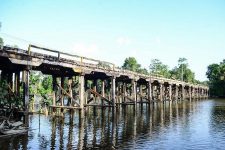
(156, 67)
(216, 75)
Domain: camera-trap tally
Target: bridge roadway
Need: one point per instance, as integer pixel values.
(89, 82)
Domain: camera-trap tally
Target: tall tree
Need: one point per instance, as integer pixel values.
(216, 75)
(183, 72)
(131, 64)
(157, 67)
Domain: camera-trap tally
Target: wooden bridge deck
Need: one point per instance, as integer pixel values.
(60, 64)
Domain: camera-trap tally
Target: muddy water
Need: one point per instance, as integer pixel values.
(185, 125)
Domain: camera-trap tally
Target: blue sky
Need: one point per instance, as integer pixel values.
(112, 30)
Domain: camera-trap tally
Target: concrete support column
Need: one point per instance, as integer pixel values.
(113, 80)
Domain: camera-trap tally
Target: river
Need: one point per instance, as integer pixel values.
(183, 125)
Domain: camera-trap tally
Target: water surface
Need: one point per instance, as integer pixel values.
(183, 125)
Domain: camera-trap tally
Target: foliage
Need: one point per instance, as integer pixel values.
(3, 92)
(131, 64)
(143, 71)
(158, 68)
(183, 72)
(1, 42)
(180, 72)
(216, 75)
(6, 97)
(104, 65)
(41, 84)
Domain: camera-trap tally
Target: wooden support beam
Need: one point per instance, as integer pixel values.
(54, 90)
(64, 92)
(62, 87)
(97, 94)
(176, 92)
(124, 91)
(69, 103)
(17, 83)
(170, 92)
(190, 93)
(134, 90)
(10, 84)
(183, 92)
(161, 92)
(141, 91)
(149, 91)
(26, 96)
(81, 90)
(103, 90)
(113, 81)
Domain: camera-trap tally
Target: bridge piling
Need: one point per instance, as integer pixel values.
(26, 97)
(149, 92)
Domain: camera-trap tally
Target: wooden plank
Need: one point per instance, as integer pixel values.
(96, 93)
(64, 91)
(65, 107)
(96, 105)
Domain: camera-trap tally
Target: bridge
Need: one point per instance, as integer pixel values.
(79, 82)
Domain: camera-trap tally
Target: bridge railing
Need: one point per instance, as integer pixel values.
(90, 62)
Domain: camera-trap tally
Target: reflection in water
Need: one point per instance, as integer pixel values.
(182, 125)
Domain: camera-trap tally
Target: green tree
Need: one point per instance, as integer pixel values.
(183, 72)
(131, 64)
(143, 71)
(158, 68)
(41, 84)
(216, 75)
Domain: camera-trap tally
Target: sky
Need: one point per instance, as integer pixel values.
(112, 30)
